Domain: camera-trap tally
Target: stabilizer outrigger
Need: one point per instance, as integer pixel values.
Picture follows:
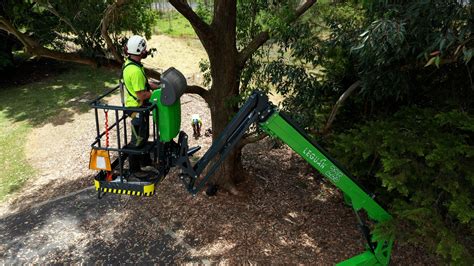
(258, 110)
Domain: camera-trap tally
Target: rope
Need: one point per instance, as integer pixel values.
(106, 128)
(108, 177)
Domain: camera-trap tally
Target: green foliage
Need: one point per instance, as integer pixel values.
(205, 68)
(136, 16)
(404, 37)
(269, 64)
(306, 61)
(204, 10)
(382, 37)
(66, 25)
(407, 132)
(424, 161)
(172, 23)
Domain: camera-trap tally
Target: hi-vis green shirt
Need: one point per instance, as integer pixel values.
(135, 80)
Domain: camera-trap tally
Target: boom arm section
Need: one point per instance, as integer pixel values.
(280, 126)
(259, 110)
(255, 109)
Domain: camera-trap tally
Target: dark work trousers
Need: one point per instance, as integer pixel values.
(140, 126)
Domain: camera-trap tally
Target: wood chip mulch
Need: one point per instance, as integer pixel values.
(285, 213)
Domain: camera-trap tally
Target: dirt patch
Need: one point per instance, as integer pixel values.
(181, 53)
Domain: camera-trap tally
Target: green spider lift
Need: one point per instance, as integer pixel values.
(256, 110)
(113, 175)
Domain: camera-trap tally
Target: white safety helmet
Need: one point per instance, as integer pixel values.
(136, 45)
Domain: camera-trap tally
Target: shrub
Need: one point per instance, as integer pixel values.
(423, 162)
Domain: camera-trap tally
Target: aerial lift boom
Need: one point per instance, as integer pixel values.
(259, 110)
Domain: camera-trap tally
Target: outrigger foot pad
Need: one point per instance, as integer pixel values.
(145, 189)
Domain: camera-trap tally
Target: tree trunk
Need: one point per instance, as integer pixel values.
(219, 41)
(225, 89)
(225, 73)
(231, 170)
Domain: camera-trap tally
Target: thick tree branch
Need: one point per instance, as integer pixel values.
(8, 27)
(250, 139)
(257, 41)
(201, 27)
(263, 37)
(151, 73)
(106, 20)
(338, 104)
(47, 5)
(35, 48)
(194, 89)
(104, 24)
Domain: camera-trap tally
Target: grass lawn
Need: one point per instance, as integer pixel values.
(24, 107)
(175, 25)
(15, 169)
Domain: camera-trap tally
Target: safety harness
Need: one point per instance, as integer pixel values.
(133, 62)
(139, 139)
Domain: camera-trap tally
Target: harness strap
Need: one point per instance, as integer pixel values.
(144, 74)
(138, 137)
(121, 80)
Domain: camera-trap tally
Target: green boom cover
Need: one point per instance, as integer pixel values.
(168, 117)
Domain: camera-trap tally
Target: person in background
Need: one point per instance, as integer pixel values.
(196, 124)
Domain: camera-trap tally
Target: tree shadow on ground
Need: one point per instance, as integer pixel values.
(288, 216)
(55, 98)
(82, 228)
(29, 70)
(285, 214)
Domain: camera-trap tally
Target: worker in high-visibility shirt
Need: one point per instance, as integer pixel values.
(138, 90)
(196, 123)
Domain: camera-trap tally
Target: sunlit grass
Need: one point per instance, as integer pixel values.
(15, 169)
(27, 106)
(174, 24)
